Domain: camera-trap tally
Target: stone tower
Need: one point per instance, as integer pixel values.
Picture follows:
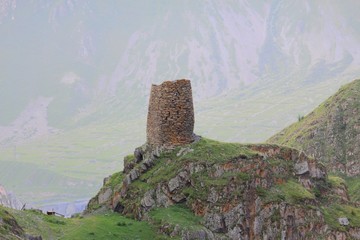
(170, 118)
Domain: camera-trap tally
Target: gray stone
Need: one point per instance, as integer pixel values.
(105, 196)
(343, 221)
(179, 181)
(232, 217)
(138, 154)
(200, 234)
(178, 198)
(235, 233)
(301, 168)
(148, 200)
(219, 171)
(134, 174)
(174, 183)
(195, 168)
(184, 151)
(149, 161)
(127, 180)
(215, 222)
(161, 199)
(213, 196)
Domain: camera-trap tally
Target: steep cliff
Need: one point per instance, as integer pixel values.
(213, 190)
(331, 133)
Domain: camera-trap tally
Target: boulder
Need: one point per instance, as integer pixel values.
(343, 221)
(105, 195)
(301, 168)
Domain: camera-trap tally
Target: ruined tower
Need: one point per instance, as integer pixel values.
(170, 118)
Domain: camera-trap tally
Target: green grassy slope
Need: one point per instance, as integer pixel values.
(105, 225)
(331, 133)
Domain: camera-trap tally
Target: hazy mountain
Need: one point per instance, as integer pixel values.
(75, 77)
(67, 56)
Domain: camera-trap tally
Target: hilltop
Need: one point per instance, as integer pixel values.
(214, 190)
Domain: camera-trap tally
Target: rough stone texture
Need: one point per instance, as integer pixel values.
(105, 195)
(148, 200)
(171, 114)
(343, 221)
(301, 168)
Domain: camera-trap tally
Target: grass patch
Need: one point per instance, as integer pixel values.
(206, 151)
(353, 184)
(294, 192)
(115, 180)
(177, 214)
(214, 152)
(105, 226)
(336, 181)
(332, 213)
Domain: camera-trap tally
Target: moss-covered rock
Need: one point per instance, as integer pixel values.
(227, 188)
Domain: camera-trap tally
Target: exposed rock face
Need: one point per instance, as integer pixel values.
(331, 133)
(171, 114)
(237, 199)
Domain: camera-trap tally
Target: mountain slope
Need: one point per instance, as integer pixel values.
(234, 191)
(331, 133)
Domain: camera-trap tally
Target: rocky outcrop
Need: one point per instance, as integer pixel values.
(269, 192)
(10, 229)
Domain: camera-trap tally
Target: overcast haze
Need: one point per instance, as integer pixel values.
(75, 78)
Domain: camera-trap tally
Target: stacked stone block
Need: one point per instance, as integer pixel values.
(171, 114)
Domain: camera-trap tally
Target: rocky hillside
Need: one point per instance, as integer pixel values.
(10, 228)
(213, 190)
(331, 133)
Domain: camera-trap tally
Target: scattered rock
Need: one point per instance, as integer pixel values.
(174, 183)
(148, 200)
(235, 233)
(138, 154)
(162, 199)
(213, 196)
(184, 151)
(105, 196)
(134, 174)
(301, 168)
(215, 222)
(343, 221)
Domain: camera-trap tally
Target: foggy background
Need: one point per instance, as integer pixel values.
(75, 78)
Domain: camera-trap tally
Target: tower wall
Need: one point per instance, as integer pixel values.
(170, 118)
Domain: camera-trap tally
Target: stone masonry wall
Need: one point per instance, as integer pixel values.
(170, 118)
